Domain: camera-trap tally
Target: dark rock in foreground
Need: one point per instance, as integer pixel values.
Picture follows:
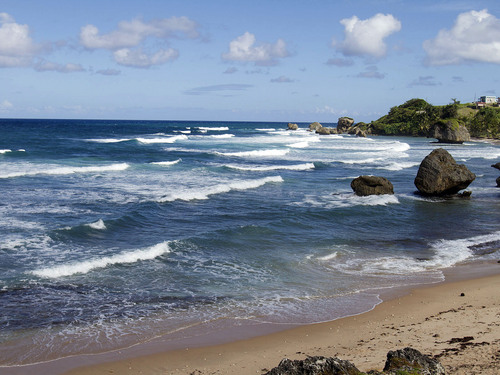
(371, 185)
(315, 366)
(412, 361)
(450, 131)
(405, 361)
(439, 174)
(497, 165)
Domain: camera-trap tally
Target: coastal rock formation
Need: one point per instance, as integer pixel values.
(405, 361)
(371, 185)
(292, 126)
(497, 166)
(344, 123)
(450, 131)
(439, 174)
(412, 361)
(314, 366)
(326, 131)
(315, 126)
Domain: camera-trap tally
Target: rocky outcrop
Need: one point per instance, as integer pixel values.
(326, 131)
(497, 166)
(313, 127)
(292, 126)
(315, 366)
(371, 185)
(450, 131)
(439, 175)
(405, 361)
(343, 124)
(413, 362)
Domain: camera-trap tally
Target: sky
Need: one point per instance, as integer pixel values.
(273, 60)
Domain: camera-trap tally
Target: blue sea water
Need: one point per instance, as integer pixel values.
(114, 233)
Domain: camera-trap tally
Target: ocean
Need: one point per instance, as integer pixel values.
(116, 233)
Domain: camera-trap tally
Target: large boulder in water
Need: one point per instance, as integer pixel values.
(450, 131)
(439, 174)
(292, 126)
(411, 361)
(497, 166)
(371, 185)
(315, 126)
(314, 366)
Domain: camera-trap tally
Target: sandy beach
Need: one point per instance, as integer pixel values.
(457, 321)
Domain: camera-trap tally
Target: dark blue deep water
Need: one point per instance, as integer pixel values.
(116, 232)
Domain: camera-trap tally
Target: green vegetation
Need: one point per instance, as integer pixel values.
(416, 117)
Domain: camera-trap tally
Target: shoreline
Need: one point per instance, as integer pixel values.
(400, 320)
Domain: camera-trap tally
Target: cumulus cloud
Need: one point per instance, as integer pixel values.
(475, 36)
(16, 46)
(132, 33)
(128, 39)
(244, 48)
(48, 66)
(138, 59)
(366, 37)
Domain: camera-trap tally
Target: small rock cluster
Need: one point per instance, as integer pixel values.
(497, 166)
(404, 361)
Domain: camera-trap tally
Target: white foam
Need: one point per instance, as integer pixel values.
(166, 163)
(90, 265)
(5, 151)
(329, 256)
(205, 193)
(303, 144)
(256, 153)
(222, 136)
(215, 128)
(296, 167)
(347, 200)
(109, 140)
(266, 129)
(99, 225)
(171, 139)
(398, 166)
(67, 170)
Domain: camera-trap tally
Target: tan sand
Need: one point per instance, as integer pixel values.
(463, 331)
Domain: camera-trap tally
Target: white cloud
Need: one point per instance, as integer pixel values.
(218, 88)
(366, 37)
(371, 72)
(424, 81)
(138, 59)
(475, 36)
(16, 45)
(48, 66)
(132, 33)
(5, 105)
(244, 48)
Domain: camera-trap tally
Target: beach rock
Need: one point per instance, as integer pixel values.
(292, 126)
(344, 123)
(371, 185)
(314, 366)
(498, 181)
(497, 165)
(315, 126)
(326, 131)
(439, 175)
(413, 362)
(450, 131)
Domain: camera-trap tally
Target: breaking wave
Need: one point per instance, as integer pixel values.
(67, 170)
(255, 153)
(296, 167)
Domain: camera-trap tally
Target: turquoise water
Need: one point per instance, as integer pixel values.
(117, 232)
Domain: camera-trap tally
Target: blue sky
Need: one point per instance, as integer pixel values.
(291, 61)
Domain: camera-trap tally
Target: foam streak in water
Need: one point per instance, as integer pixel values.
(68, 170)
(90, 265)
(296, 167)
(200, 194)
(256, 153)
